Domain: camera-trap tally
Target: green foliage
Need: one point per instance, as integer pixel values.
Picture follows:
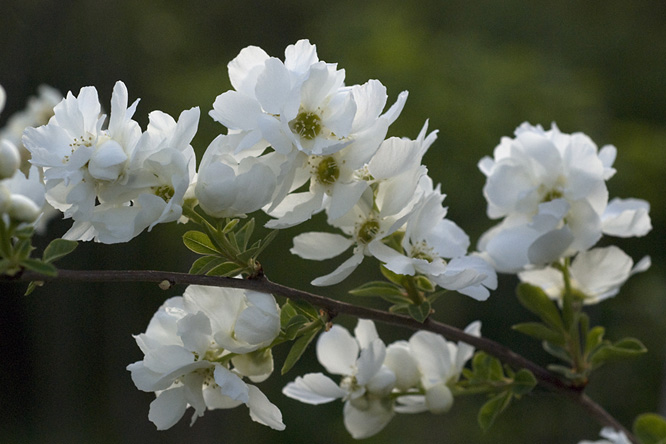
(225, 248)
(650, 428)
(501, 383)
(300, 322)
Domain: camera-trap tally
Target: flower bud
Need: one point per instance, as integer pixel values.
(22, 209)
(5, 199)
(439, 399)
(10, 159)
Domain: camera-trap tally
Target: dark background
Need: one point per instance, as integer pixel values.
(475, 69)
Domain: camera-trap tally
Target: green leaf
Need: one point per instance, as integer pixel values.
(535, 300)
(564, 371)
(391, 276)
(225, 269)
(294, 325)
(540, 331)
(622, 349)
(377, 288)
(246, 233)
(558, 352)
(425, 284)
(39, 267)
(594, 338)
(199, 243)
(420, 312)
(266, 242)
(205, 263)
(523, 382)
(31, 287)
(305, 308)
(650, 428)
(492, 409)
(298, 349)
(287, 311)
(230, 226)
(58, 248)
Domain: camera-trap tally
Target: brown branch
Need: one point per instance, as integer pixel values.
(545, 378)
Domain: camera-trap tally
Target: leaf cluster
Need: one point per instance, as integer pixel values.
(566, 334)
(499, 382)
(411, 295)
(226, 249)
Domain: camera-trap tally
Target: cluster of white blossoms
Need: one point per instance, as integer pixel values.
(199, 347)
(550, 189)
(21, 196)
(117, 181)
(378, 381)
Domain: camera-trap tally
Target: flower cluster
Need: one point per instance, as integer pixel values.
(550, 189)
(118, 181)
(21, 196)
(378, 381)
(198, 348)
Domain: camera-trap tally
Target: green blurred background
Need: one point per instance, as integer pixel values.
(475, 69)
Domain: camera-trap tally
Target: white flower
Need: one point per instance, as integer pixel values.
(429, 239)
(550, 188)
(230, 184)
(612, 437)
(366, 383)
(38, 111)
(189, 346)
(78, 157)
(158, 175)
(365, 224)
(22, 198)
(595, 275)
(440, 363)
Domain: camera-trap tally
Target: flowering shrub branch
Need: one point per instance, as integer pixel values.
(262, 284)
(300, 142)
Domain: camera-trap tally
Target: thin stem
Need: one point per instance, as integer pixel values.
(545, 378)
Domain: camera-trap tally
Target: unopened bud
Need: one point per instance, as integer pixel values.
(22, 209)
(10, 159)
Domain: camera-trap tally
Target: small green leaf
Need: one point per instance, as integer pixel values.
(594, 338)
(305, 308)
(420, 312)
(298, 349)
(58, 248)
(492, 409)
(377, 288)
(39, 267)
(535, 300)
(246, 232)
(293, 326)
(199, 243)
(622, 349)
(225, 269)
(564, 371)
(650, 428)
(523, 382)
(558, 352)
(205, 263)
(391, 276)
(230, 226)
(287, 311)
(425, 284)
(266, 241)
(540, 331)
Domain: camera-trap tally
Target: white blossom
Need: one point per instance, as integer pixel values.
(595, 274)
(550, 188)
(366, 383)
(192, 346)
(612, 437)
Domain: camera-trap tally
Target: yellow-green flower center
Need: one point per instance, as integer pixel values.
(327, 171)
(367, 231)
(306, 124)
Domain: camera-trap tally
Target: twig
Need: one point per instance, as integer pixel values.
(262, 284)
